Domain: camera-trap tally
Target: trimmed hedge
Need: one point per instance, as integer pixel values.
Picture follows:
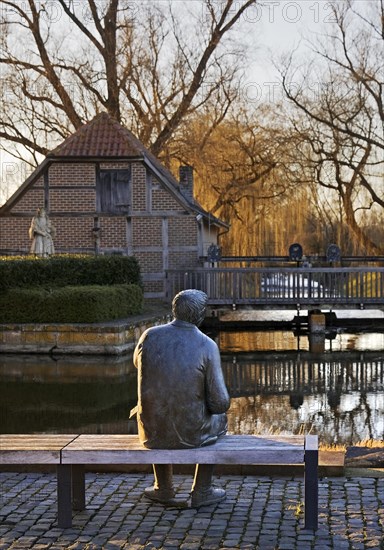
(64, 270)
(70, 304)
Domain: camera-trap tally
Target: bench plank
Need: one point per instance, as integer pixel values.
(235, 449)
(33, 449)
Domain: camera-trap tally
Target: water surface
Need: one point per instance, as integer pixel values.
(279, 382)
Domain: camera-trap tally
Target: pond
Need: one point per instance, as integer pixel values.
(279, 382)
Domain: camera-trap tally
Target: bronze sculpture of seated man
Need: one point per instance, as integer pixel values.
(182, 396)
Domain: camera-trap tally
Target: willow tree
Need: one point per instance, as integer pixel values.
(247, 174)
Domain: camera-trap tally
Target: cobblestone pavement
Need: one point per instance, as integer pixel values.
(259, 513)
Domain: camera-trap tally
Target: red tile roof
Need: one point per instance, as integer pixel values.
(104, 137)
(101, 137)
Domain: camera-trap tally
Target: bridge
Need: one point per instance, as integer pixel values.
(325, 288)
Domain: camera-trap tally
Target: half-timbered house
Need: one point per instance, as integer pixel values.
(105, 193)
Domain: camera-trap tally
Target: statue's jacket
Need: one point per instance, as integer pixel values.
(182, 396)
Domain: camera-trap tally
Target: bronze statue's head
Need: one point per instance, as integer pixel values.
(190, 305)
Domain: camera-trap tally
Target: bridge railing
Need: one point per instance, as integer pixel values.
(354, 286)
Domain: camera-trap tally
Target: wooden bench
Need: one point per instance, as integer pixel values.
(71, 453)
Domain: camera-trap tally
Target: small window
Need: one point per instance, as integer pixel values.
(113, 191)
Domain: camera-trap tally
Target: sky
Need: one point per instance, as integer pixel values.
(272, 28)
(281, 26)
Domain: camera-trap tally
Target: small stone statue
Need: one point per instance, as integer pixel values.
(182, 396)
(41, 232)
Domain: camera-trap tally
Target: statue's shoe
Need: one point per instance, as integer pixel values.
(165, 497)
(206, 497)
(159, 495)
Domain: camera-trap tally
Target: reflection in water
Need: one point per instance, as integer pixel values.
(70, 394)
(285, 340)
(338, 395)
(278, 383)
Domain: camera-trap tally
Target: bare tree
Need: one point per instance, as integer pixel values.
(342, 123)
(63, 62)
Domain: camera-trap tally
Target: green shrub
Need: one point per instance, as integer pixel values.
(70, 304)
(64, 270)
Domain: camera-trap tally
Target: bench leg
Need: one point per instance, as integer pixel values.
(78, 487)
(64, 495)
(311, 487)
